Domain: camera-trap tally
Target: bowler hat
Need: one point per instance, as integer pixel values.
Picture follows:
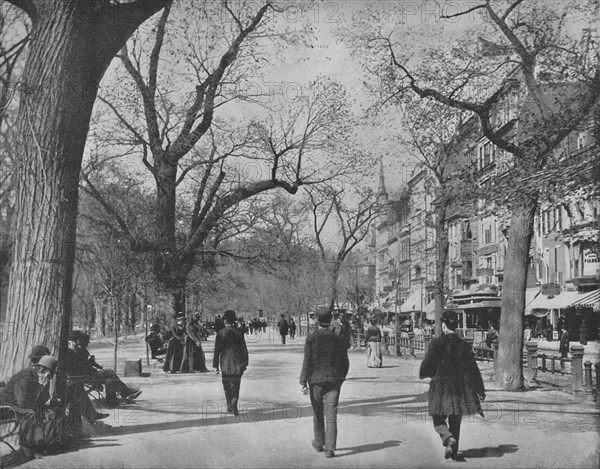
(323, 315)
(48, 362)
(229, 315)
(450, 318)
(38, 352)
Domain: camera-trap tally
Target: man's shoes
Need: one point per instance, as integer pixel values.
(451, 448)
(133, 395)
(317, 448)
(329, 454)
(100, 416)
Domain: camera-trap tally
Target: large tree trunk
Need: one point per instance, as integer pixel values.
(71, 45)
(441, 236)
(510, 347)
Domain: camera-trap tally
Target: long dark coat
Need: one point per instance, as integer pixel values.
(194, 359)
(455, 378)
(231, 353)
(175, 349)
(283, 326)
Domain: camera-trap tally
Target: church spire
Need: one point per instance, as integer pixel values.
(382, 193)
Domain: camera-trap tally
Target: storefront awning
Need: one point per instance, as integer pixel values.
(589, 300)
(564, 300)
(413, 302)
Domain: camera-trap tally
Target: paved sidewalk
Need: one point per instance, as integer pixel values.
(179, 421)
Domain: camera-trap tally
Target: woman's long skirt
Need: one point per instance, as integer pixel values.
(374, 355)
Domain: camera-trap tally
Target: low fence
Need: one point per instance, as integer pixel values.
(585, 377)
(583, 381)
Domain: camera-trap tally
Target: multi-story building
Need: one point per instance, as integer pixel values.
(564, 269)
(405, 247)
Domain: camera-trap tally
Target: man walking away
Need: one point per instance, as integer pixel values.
(231, 357)
(324, 369)
(283, 326)
(456, 387)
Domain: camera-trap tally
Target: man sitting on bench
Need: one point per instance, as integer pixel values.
(41, 419)
(81, 367)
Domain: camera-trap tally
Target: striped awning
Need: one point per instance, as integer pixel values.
(590, 300)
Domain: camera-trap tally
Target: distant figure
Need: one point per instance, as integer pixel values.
(341, 326)
(549, 332)
(583, 332)
(195, 355)
(231, 358)
(219, 324)
(324, 370)
(373, 340)
(563, 347)
(456, 387)
(491, 338)
(176, 348)
(283, 326)
(527, 334)
(156, 343)
(539, 330)
(292, 328)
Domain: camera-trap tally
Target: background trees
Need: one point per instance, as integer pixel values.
(202, 158)
(351, 216)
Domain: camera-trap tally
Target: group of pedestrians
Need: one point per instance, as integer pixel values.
(456, 387)
(286, 327)
(183, 351)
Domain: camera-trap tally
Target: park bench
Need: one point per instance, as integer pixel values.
(9, 429)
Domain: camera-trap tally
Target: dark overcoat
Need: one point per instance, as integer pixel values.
(325, 358)
(455, 378)
(23, 391)
(230, 353)
(283, 326)
(563, 347)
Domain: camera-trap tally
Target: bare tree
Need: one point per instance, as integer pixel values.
(194, 159)
(352, 218)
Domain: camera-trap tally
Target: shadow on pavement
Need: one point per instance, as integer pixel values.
(368, 448)
(270, 411)
(490, 452)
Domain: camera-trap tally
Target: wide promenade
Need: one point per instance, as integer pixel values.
(179, 420)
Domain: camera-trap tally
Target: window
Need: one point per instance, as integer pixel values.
(487, 235)
(558, 219)
(580, 140)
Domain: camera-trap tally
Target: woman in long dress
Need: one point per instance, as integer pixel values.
(194, 359)
(374, 346)
(176, 345)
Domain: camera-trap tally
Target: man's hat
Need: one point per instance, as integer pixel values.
(38, 352)
(229, 315)
(450, 318)
(49, 362)
(323, 315)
